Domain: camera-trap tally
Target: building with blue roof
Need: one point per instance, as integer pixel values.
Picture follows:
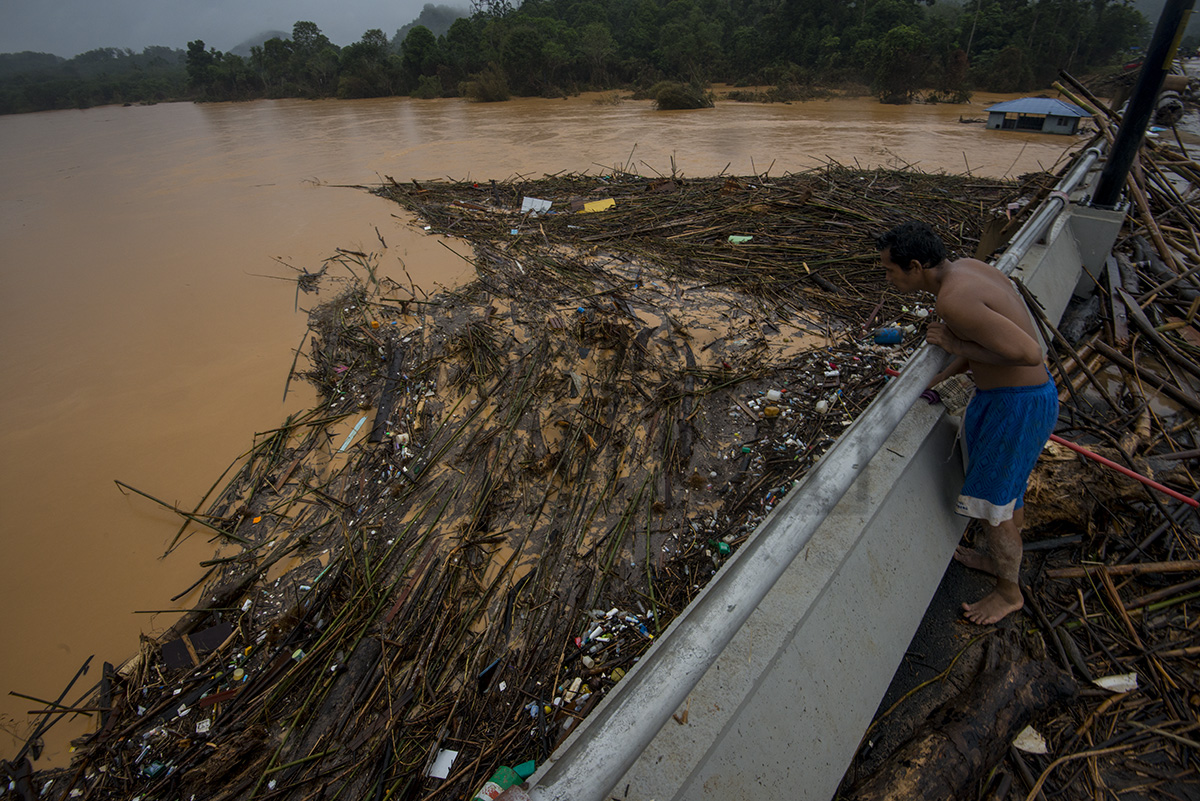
(1038, 114)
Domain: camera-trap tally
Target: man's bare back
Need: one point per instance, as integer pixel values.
(981, 309)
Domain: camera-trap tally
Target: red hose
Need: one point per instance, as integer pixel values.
(1125, 471)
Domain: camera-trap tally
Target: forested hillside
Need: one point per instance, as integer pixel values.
(554, 47)
(40, 81)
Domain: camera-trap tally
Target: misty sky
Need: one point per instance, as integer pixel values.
(70, 27)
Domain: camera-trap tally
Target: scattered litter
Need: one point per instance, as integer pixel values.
(1030, 741)
(1119, 683)
(598, 205)
(353, 433)
(440, 768)
(535, 206)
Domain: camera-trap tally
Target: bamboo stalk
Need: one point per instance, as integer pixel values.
(1184, 566)
(1176, 394)
(1106, 582)
(197, 519)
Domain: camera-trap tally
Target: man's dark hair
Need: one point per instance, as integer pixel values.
(913, 240)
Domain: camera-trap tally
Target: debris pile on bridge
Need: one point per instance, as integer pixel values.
(1110, 574)
(508, 489)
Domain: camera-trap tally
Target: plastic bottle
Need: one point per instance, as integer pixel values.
(888, 336)
(501, 780)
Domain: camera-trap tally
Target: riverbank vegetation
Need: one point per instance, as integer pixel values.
(902, 49)
(108, 75)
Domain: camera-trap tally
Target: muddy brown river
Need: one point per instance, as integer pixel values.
(142, 342)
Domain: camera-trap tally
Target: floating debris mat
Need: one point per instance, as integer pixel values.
(509, 489)
(770, 237)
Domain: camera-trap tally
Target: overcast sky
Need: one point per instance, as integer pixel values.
(70, 27)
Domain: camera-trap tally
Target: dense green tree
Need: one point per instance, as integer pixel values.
(419, 56)
(1017, 45)
(598, 48)
(901, 61)
(307, 39)
(368, 68)
(436, 18)
(462, 48)
(28, 63)
(199, 65)
(689, 43)
(522, 59)
(487, 86)
(637, 30)
(273, 63)
(899, 47)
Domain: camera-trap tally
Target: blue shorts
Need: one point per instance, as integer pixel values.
(1004, 430)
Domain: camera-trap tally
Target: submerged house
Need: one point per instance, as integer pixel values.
(1036, 114)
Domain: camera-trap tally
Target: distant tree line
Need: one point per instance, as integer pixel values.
(40, 81)
(557, 47)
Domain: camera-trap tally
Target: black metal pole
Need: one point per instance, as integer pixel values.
(1155, 67)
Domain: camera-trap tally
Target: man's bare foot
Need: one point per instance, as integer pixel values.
(975, 559)
(995, 606)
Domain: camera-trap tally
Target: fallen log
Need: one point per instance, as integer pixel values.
(964, 738)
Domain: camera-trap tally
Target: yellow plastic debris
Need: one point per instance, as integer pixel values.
(598, 205)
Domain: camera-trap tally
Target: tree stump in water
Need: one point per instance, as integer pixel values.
(965, 737)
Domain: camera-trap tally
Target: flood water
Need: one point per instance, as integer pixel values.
(142, 344)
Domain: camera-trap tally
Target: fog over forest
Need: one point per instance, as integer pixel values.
(70, 27)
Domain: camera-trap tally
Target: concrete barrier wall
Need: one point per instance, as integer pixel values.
(781, 711)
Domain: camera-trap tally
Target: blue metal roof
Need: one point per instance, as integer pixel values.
(1039, 105)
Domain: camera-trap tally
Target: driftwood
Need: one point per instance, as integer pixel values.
(964, 738)
(388, 399)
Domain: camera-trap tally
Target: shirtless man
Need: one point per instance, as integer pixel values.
(986, 326)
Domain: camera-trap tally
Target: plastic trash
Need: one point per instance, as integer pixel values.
(889, 336)
(598, 205)
(442, 764)
(1121, 683)
(514, 793)
(502, 779)
(535, 205)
